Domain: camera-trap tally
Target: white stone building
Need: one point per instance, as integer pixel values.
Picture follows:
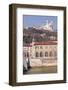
(41, 53)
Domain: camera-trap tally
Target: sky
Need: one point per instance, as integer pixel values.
(34, 20)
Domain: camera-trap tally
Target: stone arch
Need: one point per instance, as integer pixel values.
(50, 53)
(46, 54)
(55, 54)
(41, 54)
(37, 54)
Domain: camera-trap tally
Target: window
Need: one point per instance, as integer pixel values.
(41, 47)
(41, 54)
(46, 54)
(55, 53)
(37, 54)
(27, 54)
(50, 54)
(36, 47)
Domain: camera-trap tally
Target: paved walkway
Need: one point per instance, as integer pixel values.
(42, 70)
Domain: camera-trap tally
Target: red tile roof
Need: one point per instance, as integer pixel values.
(46, 43)
(42, 43)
